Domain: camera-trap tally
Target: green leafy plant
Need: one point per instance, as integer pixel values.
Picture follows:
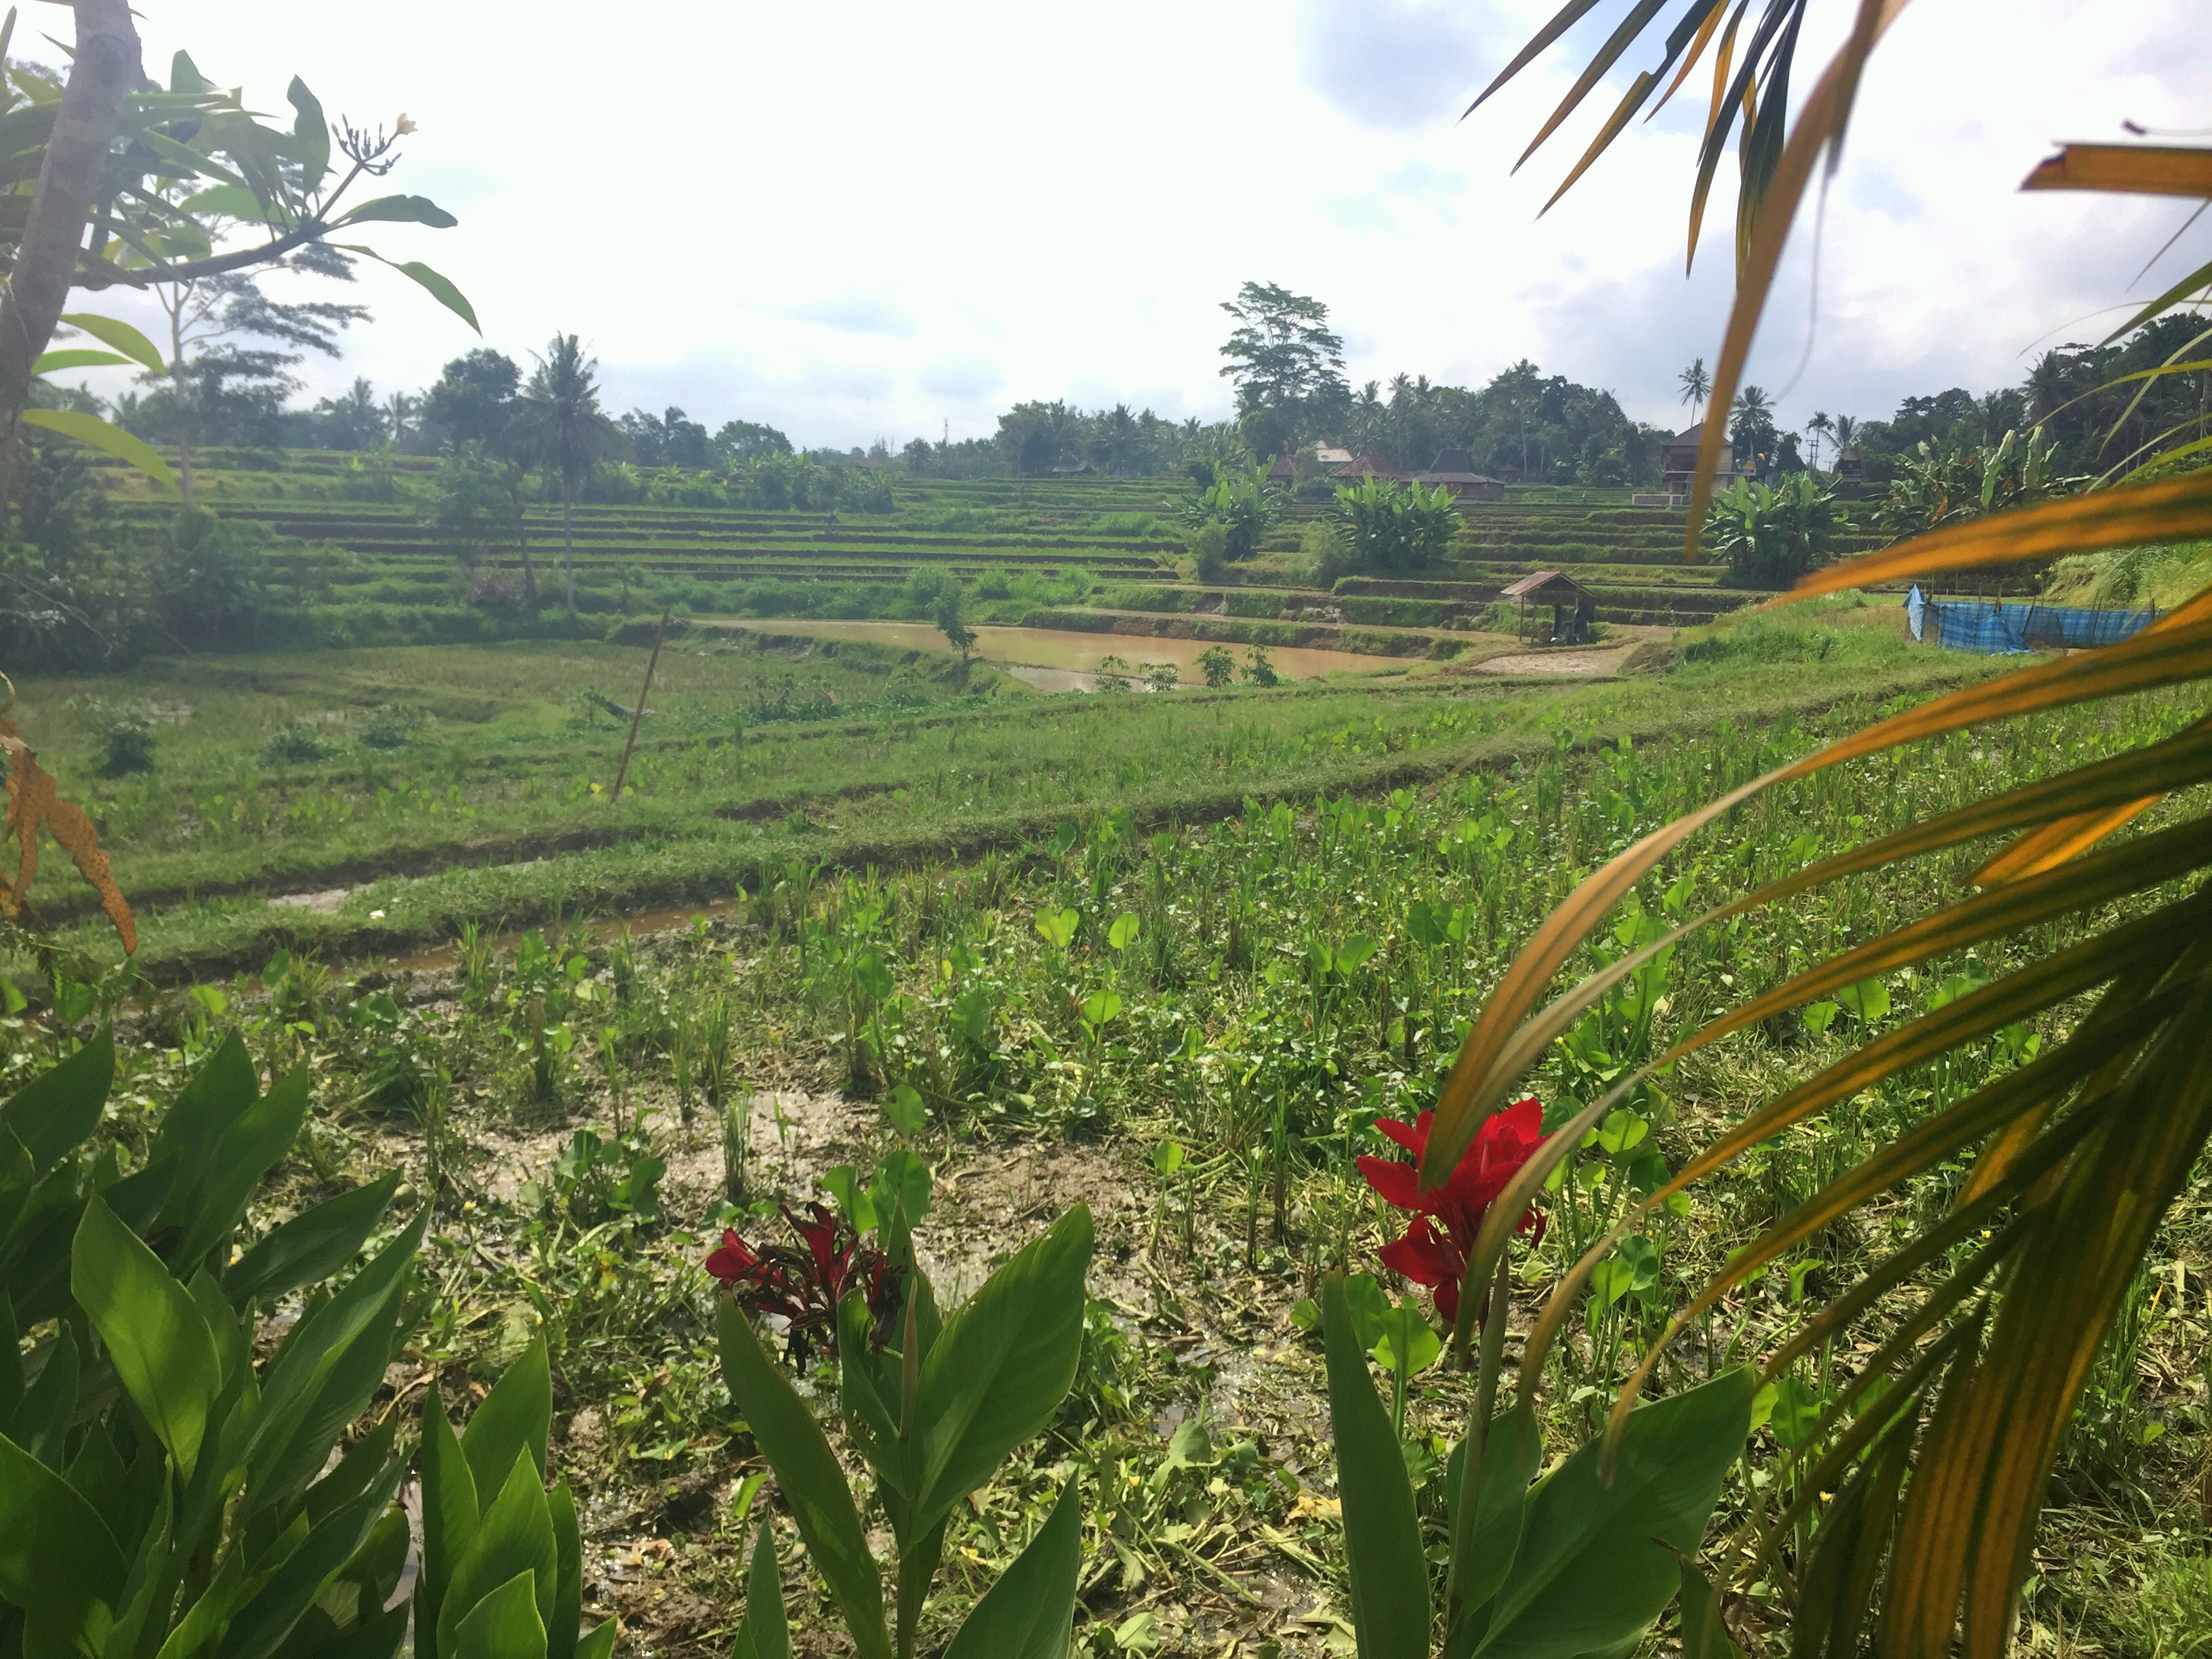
(1388, 526)
(503, 1556)
(1582, 1562)
(1770, 537)
(933, 1403)
(161, 1492)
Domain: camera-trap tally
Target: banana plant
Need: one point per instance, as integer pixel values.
(1581, 1563)
(933, 1404)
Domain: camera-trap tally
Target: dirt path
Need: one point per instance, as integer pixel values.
(1563, 664)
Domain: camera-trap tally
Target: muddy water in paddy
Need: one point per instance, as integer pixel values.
(1065, 660)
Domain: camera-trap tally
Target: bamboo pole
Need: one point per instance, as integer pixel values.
(638, 712)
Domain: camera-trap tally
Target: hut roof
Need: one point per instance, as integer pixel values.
(1549, 584)
(1366, 465)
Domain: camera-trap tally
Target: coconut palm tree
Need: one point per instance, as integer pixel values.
(1697, 385)
(1817, 428)
(563, 428)
(1751, 424)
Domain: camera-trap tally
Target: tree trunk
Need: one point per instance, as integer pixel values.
(104, 71)
(178, 381)
(569, 547)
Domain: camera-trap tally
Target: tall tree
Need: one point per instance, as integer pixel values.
(1697, 385)
(562, 426)
(738, 442)
(474, 401)
(1818, 428)
(354, 419)
(1285, 364)
(223, 389)
(1751, 427)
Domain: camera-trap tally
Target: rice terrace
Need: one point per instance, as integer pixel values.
(1286, 1014)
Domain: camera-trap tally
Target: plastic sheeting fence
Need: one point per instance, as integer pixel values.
(1995, 629)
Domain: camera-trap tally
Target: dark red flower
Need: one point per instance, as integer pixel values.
(803, 1285)
(1434, 1249)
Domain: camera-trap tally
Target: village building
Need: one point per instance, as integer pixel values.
(1453, 472)
(1367, 464)
(1681, 458)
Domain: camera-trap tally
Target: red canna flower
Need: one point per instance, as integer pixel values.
(804, 1285)
(1434, 1248)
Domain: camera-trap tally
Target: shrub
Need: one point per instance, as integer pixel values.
(1771, 536)
(1218, 667)
(1393, 526)
(293, 744)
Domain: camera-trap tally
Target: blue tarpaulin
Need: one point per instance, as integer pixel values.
(1996, 629)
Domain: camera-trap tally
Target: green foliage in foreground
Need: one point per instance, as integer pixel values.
(162, 1493)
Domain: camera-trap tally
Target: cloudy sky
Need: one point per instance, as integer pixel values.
(874, 220)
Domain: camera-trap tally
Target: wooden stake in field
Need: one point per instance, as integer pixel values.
(638, 712)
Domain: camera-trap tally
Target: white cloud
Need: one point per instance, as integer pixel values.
(878, 220)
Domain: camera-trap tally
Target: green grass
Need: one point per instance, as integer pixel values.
(489, 802)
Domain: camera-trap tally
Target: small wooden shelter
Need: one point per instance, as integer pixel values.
(1574, 607)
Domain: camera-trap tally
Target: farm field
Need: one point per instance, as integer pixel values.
(374, 571)
(1168, 956)
(387, 797)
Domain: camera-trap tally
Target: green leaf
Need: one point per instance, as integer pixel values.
(160, 1348)
(42, 1419)
(1597, 1564)
(601, 1643)
(1383, 1563)
(226, 201)
(1370, 1306)
(568, 1619)
(1030, 1614)
(516, 1416)
(1102, 1008)
(59, 1109)
(1123, 933)
(902, 1185)
(906, 1111)
(56, 1556)
(1510, 1456)
(311, 134)
(1868, 1001)
(312, 1246)
(1704, 1635)
(113, 332)
(503, 1625)
(813, 1483)
(766, 1632)
(440, 289)
(52, 362)
(1408, 1328)
(1000, 1367)
(1057, 928)
(399, 209)
(259, 1627)
(449, 1520)
(102, 436)
(298, 1380)
(515, 1539)
(249, 1150)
